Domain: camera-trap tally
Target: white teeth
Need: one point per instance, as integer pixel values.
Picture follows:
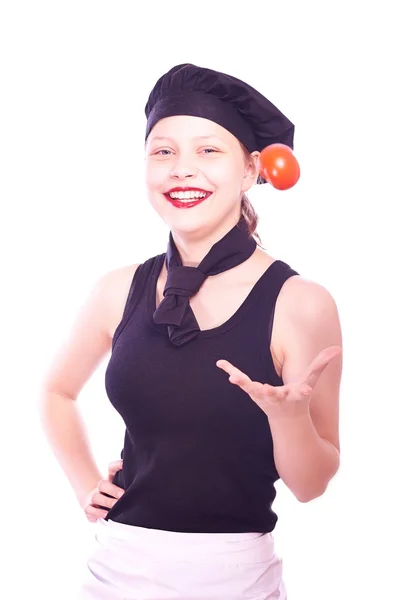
(187, 195)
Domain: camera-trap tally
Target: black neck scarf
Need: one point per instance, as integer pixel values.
(184, 282)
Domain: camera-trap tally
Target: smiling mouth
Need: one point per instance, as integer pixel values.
(186, 199)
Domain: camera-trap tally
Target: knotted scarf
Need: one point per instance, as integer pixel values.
(184, 282)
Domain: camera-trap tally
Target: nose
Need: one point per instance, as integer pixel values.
(183, 169)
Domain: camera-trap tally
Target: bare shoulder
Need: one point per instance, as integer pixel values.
(302, 298)
(305, 304)
(90, 336)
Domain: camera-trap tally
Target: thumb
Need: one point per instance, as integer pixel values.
(113, 468)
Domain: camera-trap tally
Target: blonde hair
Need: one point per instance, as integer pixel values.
(247, 210)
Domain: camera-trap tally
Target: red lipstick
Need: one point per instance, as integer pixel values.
(186, 203)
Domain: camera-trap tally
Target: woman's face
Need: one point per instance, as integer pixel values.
(193, 156)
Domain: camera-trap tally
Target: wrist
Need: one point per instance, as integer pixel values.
(82, 495)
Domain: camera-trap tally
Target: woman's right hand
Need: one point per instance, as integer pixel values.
(97, 500)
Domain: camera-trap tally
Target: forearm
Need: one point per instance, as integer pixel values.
(304, 461)
(66, 434)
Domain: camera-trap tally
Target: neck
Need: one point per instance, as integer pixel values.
(194, 246)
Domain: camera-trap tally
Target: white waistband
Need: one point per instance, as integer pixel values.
(242, 547)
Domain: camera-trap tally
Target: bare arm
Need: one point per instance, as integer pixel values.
(306, 445)
(89, 340)
(66, 433)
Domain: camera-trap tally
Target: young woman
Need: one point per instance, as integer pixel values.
(225, 366)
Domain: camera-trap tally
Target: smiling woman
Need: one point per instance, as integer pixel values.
(213, 163)
(225, 367)
(186, 197)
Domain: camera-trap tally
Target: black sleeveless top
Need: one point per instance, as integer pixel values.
(198, 452)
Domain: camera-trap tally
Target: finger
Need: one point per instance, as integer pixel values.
(106, 487)
(319, 363)
(288, 392)
(231, 370)
(95, 513)
(113, 468)
(226, 366)
(278, 393)
(102, 501)
(305, 390)
(256, 390)
(237, 377)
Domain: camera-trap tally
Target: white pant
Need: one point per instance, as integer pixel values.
(135, 563)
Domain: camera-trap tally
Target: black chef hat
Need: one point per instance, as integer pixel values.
(198, 92)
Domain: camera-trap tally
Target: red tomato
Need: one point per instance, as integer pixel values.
(278, 165)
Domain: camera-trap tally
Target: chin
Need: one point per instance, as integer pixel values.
(184, 219)
(186, 225)
(202, 217)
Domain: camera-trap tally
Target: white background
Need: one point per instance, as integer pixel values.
(75, 77)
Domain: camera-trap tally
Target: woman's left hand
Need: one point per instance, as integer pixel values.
(286, 400)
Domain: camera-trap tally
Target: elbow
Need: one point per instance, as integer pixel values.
(312, 492)
(308, 497)
(313, 488)
(309, 494)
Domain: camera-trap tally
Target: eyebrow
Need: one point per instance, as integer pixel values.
(197, 137)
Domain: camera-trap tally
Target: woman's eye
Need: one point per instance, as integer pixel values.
(161, 152)
(166, 152)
